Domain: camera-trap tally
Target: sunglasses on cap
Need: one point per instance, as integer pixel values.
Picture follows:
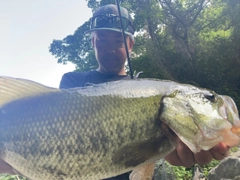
(110, 21)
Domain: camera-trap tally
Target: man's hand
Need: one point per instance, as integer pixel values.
(5, 168)
(183, 156)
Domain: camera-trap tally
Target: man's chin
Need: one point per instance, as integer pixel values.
(111, 71)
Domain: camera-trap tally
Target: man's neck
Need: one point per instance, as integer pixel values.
(122, 72)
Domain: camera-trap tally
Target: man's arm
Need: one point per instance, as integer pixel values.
(5, 168)
(71, 80)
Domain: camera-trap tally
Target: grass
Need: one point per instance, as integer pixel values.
(11, 177)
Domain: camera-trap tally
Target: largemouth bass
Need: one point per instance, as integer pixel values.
(104, 130)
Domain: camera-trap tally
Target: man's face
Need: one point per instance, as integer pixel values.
(110, 51)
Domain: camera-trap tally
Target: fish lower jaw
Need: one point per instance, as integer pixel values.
(200, 141)
(236, 130)
(225, 136)
(231, 137)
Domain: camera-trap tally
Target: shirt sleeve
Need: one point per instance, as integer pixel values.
(71, 80)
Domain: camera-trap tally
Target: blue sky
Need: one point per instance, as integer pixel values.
(27, 29)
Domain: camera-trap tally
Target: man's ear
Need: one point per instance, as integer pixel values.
(130, 45)
(92, 40)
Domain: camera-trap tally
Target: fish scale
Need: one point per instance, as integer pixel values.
(86, 135)
(104, 130)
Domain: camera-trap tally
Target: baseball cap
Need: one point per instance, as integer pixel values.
(107, 18)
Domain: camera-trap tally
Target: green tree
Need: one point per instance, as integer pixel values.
(193, 41)
(76, 49)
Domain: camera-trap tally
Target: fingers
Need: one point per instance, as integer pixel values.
(220, 151)
(203, 157)
(183, 156)
(173, 159)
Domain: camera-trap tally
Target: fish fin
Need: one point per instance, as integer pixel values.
(12, 89)
(143, 173)
(132, 155)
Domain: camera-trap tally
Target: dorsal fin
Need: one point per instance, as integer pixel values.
(12, 89)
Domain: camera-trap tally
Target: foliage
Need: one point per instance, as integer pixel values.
(11, 177)
(170, 172)
(182, 173)
(75, 48)
(194, 42)
(206, 168)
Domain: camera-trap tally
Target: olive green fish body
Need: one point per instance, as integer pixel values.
(105, 130)
(67, 135)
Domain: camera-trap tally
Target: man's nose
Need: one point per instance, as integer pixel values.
(111, 47)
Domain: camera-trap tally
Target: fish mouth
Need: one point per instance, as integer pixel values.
(229, 112)
(236, 131)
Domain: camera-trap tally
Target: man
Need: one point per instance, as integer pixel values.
(109, 48)
(110, 53)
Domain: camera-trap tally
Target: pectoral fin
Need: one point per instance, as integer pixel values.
(143, 173)
(147, 151)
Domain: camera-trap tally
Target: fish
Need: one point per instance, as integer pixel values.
(104, 130)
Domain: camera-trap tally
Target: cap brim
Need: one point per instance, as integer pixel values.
(110, 29)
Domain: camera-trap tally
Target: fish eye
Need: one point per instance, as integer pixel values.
(210, 97)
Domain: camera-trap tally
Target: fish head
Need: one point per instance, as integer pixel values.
(201, 118)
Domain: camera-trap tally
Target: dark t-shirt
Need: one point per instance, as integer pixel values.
(81, 79)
